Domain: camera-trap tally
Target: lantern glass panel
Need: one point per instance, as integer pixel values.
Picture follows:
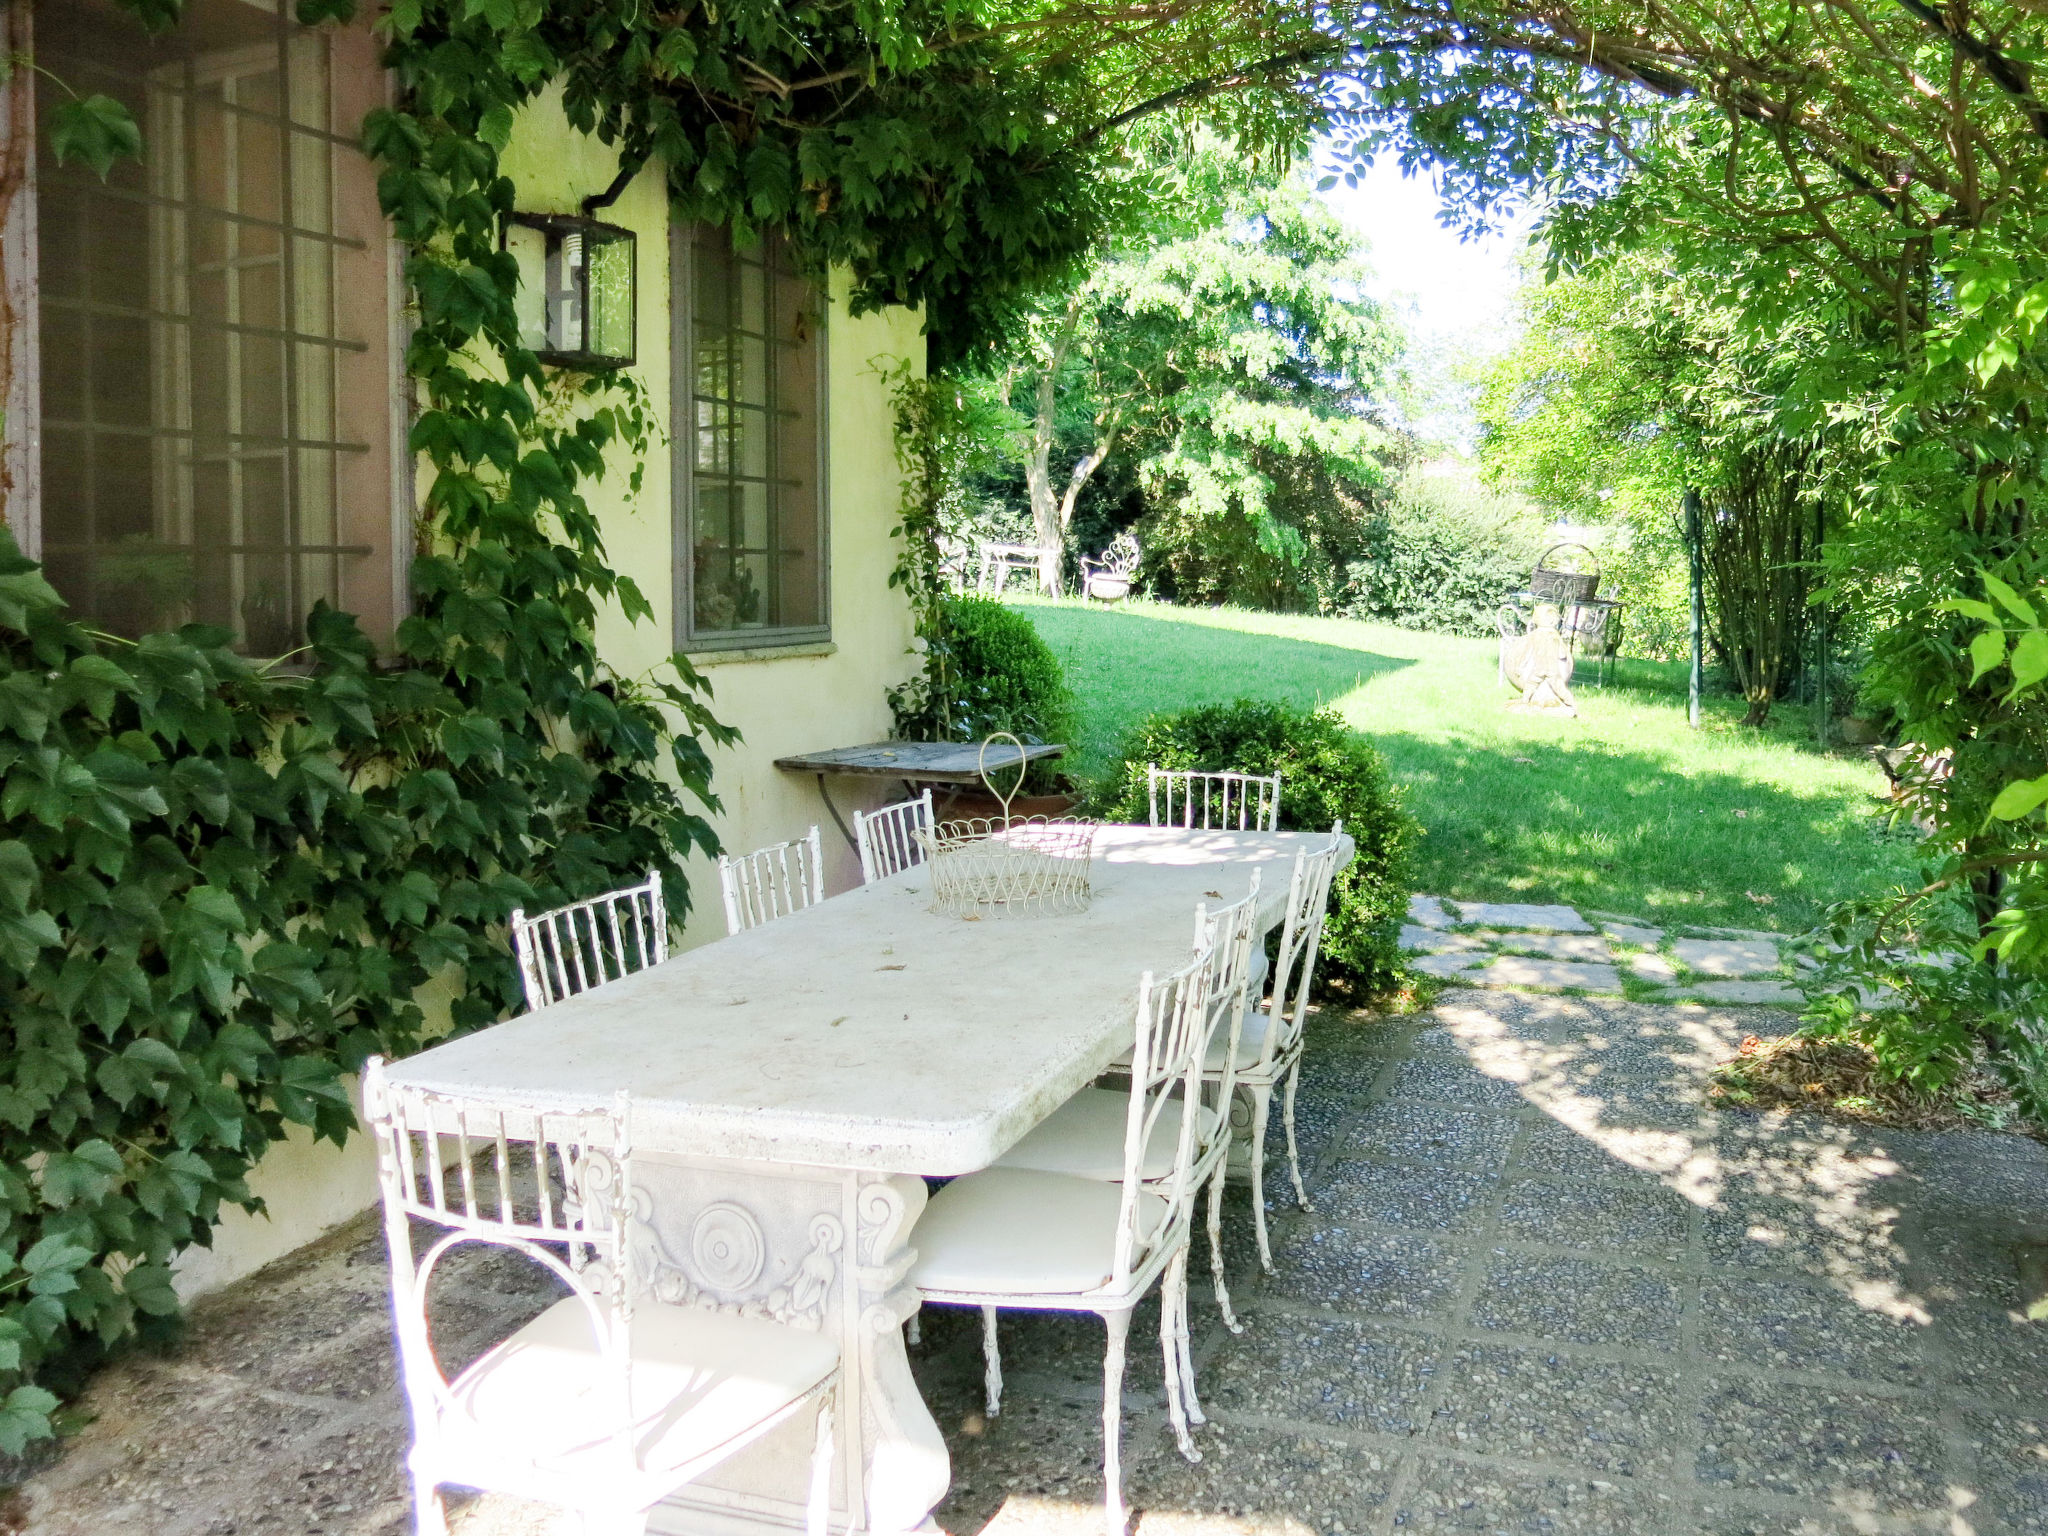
(529, 247)
(610, 275)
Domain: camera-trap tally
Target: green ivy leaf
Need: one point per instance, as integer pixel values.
(25, 1417)
(174, 1182)
(95, 129)
(149, 1287)
(87, 1171)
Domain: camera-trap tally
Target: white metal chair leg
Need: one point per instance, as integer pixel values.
(913, 1335)
(429, 1516)
(1293, 1151)
(1118, 1326)
(1262, 1108)
(992, 1357)
(1189, 1398)
(818, 1517)
(1170, 1344)
(1216, 1251)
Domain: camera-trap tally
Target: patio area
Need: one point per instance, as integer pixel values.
(1546, 1288)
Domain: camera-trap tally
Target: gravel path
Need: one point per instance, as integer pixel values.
(1544, 1289)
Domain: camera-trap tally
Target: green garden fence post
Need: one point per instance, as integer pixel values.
(1699, 606)
(1821, 722)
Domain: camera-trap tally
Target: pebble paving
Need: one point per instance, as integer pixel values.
(1547, 1287)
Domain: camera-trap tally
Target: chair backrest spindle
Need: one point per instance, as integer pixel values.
(588, 943)
(1212, 801)
(887, 838)
(1178, 1016)
(1301, 934)
(772, 882)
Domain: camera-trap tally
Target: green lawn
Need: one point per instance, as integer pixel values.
(1621, 810)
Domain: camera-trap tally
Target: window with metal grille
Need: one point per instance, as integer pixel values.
(217, 391)
(751, 566)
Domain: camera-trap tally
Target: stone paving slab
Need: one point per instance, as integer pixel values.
(1539, 946)
(1431, 941)
(1632, 933)
(1512, 914)
(1428, 912)
(1727, 957)
(1546, 1288)
(1774, 992)
(1556, 946)
(1654, 967)
(1446, 965)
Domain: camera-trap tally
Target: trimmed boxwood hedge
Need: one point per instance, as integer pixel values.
(1327, 770)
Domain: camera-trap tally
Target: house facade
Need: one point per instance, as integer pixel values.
(207, 419)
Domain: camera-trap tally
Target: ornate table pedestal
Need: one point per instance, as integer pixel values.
(819, 1248)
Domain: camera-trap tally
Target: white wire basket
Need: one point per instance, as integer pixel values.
(999, 867)
(1008, 866)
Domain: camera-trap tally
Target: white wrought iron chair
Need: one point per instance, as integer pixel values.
(1109, 576)
(772, 882)
(610, 1400)
(588, 943)
(1085, 1135)
(1268, 1052)
(1231, 802)
(887, 839)
(1016, 1237)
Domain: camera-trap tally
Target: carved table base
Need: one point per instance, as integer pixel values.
(818, 1248)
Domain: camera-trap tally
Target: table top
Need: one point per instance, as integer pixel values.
(940, 762)
(867, 1032)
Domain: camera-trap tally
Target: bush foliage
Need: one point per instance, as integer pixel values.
(1001, 676)
(1443, 554)
(1327, 771)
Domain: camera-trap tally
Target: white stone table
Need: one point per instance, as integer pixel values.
(790, 1083)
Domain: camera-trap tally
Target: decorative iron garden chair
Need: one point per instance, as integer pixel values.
(1269, 1046)
(1109, 576)
(772, 882)
(1234, 802)
(887, 839)
(1085, 1135)
(588, 943)
(1017, 1237)
(610, 1400)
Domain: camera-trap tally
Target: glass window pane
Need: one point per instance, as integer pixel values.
(756, 535)
(175, 294)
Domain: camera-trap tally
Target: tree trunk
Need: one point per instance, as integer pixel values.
(1758, 567)
(1048, 514)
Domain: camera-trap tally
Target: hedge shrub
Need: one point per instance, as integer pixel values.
(1000, 676)
(1327, 770)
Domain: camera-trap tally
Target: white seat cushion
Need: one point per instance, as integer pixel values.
(1085, 1137)
(701, 1381)
(1249, 1042)
(1019, 1232)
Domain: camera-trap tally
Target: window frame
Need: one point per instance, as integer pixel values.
(796, 638)
(381, 593)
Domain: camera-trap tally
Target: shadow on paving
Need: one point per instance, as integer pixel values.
(1545, 1288)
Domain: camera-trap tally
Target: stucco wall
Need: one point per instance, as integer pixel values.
(780, 704)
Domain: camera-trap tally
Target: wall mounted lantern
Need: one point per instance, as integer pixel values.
(577, 279)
